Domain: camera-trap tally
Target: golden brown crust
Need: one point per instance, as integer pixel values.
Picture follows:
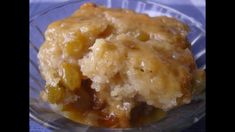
(129, 57)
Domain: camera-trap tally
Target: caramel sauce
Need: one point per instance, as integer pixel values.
(144, 114)
(87, 110)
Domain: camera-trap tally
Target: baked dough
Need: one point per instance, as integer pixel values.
(128, 57)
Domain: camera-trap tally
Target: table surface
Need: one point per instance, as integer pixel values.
(192, 8)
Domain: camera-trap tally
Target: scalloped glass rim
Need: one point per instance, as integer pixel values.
(198, 24)
(185, 122)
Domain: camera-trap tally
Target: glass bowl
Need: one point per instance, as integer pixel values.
(175, 120)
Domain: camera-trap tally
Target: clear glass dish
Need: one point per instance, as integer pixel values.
(176, 119)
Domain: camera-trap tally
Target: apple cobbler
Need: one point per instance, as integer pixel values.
(117, 68)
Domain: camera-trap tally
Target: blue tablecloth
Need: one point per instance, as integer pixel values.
(193, 8)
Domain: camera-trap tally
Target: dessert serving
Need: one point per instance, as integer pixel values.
(117, 68)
